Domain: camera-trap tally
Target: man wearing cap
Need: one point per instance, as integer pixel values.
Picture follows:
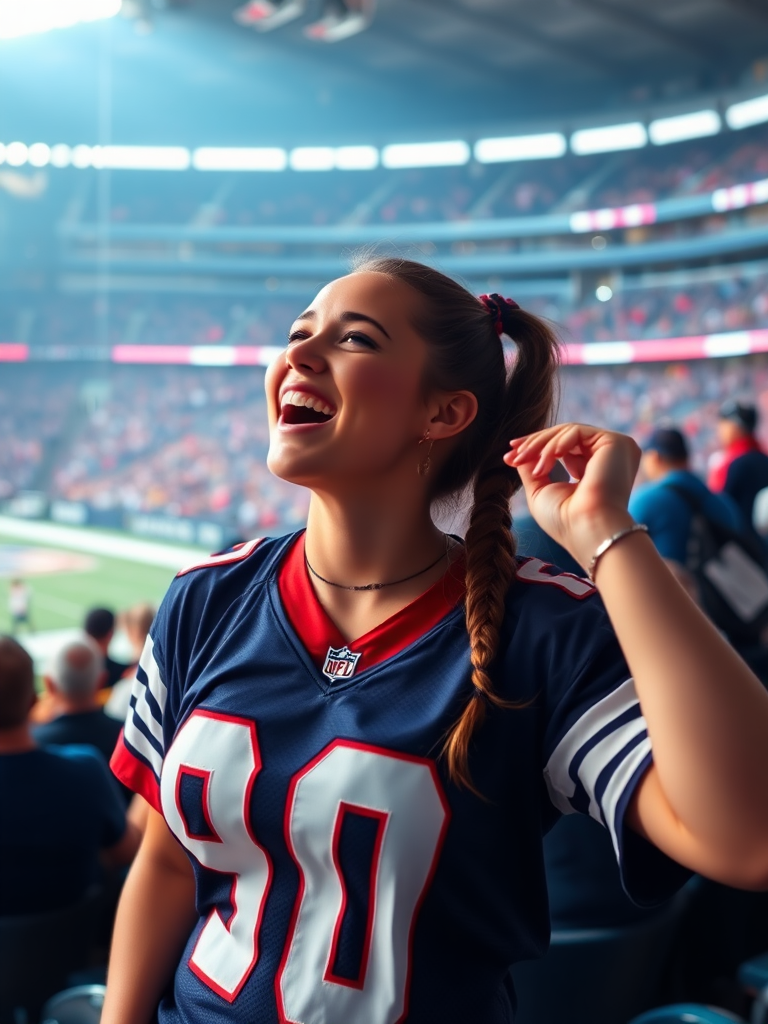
(741, 469)
(665, 512)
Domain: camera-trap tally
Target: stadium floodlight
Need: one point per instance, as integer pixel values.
(520, 147)
(357, 158)
(696, 125)
(61, 155)
(264, 15)
(39, 154)
(312, 158)
(747, 113)
(341, 19)
(144, 158)
(81, 157)
(212, 158)
(16, 154)
(30, 17)
(609, 139)
(425, 154)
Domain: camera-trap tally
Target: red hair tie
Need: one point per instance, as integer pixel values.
(496, 304)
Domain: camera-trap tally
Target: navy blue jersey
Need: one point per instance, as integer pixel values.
(342, 878)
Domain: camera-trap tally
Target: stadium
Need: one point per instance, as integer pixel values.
(178, 180)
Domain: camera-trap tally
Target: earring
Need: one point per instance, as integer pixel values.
(423, 467)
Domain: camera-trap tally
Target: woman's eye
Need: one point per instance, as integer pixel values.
(360, 339)
(297, 336)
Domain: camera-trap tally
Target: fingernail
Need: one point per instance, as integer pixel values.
(539, 467)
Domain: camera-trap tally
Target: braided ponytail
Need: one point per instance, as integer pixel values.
(490, 543)
(466, 354)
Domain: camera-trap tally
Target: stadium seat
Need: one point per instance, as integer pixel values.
(39, 951)
(687, 1013)
(596, 976)
(79, 1005)
(753, 975)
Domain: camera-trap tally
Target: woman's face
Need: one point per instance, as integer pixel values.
(346, 399)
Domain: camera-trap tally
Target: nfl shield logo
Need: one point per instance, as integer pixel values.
(340, 663)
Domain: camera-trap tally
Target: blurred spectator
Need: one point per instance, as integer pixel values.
(19, 597)
(75, 674)
(99, 625)
(666, 513)
(741, 469)
(136, 623)
(60, 808)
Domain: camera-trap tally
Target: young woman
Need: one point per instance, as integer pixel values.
(353, 738)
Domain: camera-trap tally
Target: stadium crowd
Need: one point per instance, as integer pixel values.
(731, 300)
(191, 442)
(446, 194)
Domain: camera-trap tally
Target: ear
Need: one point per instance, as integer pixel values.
(450, 413)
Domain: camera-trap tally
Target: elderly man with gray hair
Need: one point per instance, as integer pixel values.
(75, 674)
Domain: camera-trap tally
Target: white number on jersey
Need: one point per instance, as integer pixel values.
(404, 798)
(406, 794)
(223, 751)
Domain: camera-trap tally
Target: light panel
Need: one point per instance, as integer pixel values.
(609, 139)
(312, 158)
(30, 17)
(61, 155)
(520, 147)
(256, 159)
(696, 125)
(357, 158)
(81, 157)
(425, 154)
(744, 115)
(39, 154)
(16, 154)
(141, 158)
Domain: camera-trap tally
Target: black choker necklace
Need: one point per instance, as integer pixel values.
(378, 586)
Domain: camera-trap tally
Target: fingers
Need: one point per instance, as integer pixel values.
(571, 442)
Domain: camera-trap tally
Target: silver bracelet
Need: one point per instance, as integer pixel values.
(609, 542)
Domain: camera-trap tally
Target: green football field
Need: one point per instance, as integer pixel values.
(60, 599)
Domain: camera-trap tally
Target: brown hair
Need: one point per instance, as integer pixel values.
(467, 355)
(17, 683)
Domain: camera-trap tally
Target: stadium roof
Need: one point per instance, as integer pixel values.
(183, 71)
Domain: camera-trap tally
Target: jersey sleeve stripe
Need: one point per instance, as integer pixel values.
(141, 745)
(141, 711)
(603, 719)
(154, 682)
(622, 779)
(603, 754)
(626, 718)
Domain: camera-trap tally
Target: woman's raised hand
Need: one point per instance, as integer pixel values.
(582, 513)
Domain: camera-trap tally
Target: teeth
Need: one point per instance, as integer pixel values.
(301, 399)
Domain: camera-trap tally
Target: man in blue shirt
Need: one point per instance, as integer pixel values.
(666, 513)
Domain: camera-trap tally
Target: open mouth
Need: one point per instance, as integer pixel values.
(297, 407)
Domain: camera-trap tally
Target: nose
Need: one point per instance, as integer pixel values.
(306, 354)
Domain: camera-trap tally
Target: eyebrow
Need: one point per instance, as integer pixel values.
(349, 317)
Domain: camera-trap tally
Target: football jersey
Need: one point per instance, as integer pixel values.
(341, 877)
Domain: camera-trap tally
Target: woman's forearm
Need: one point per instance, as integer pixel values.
(154, 919)
(707, 717)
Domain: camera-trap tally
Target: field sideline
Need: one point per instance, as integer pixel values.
(120, 571)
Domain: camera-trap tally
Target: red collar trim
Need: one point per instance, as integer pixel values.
(741, 446)
(319, 633)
